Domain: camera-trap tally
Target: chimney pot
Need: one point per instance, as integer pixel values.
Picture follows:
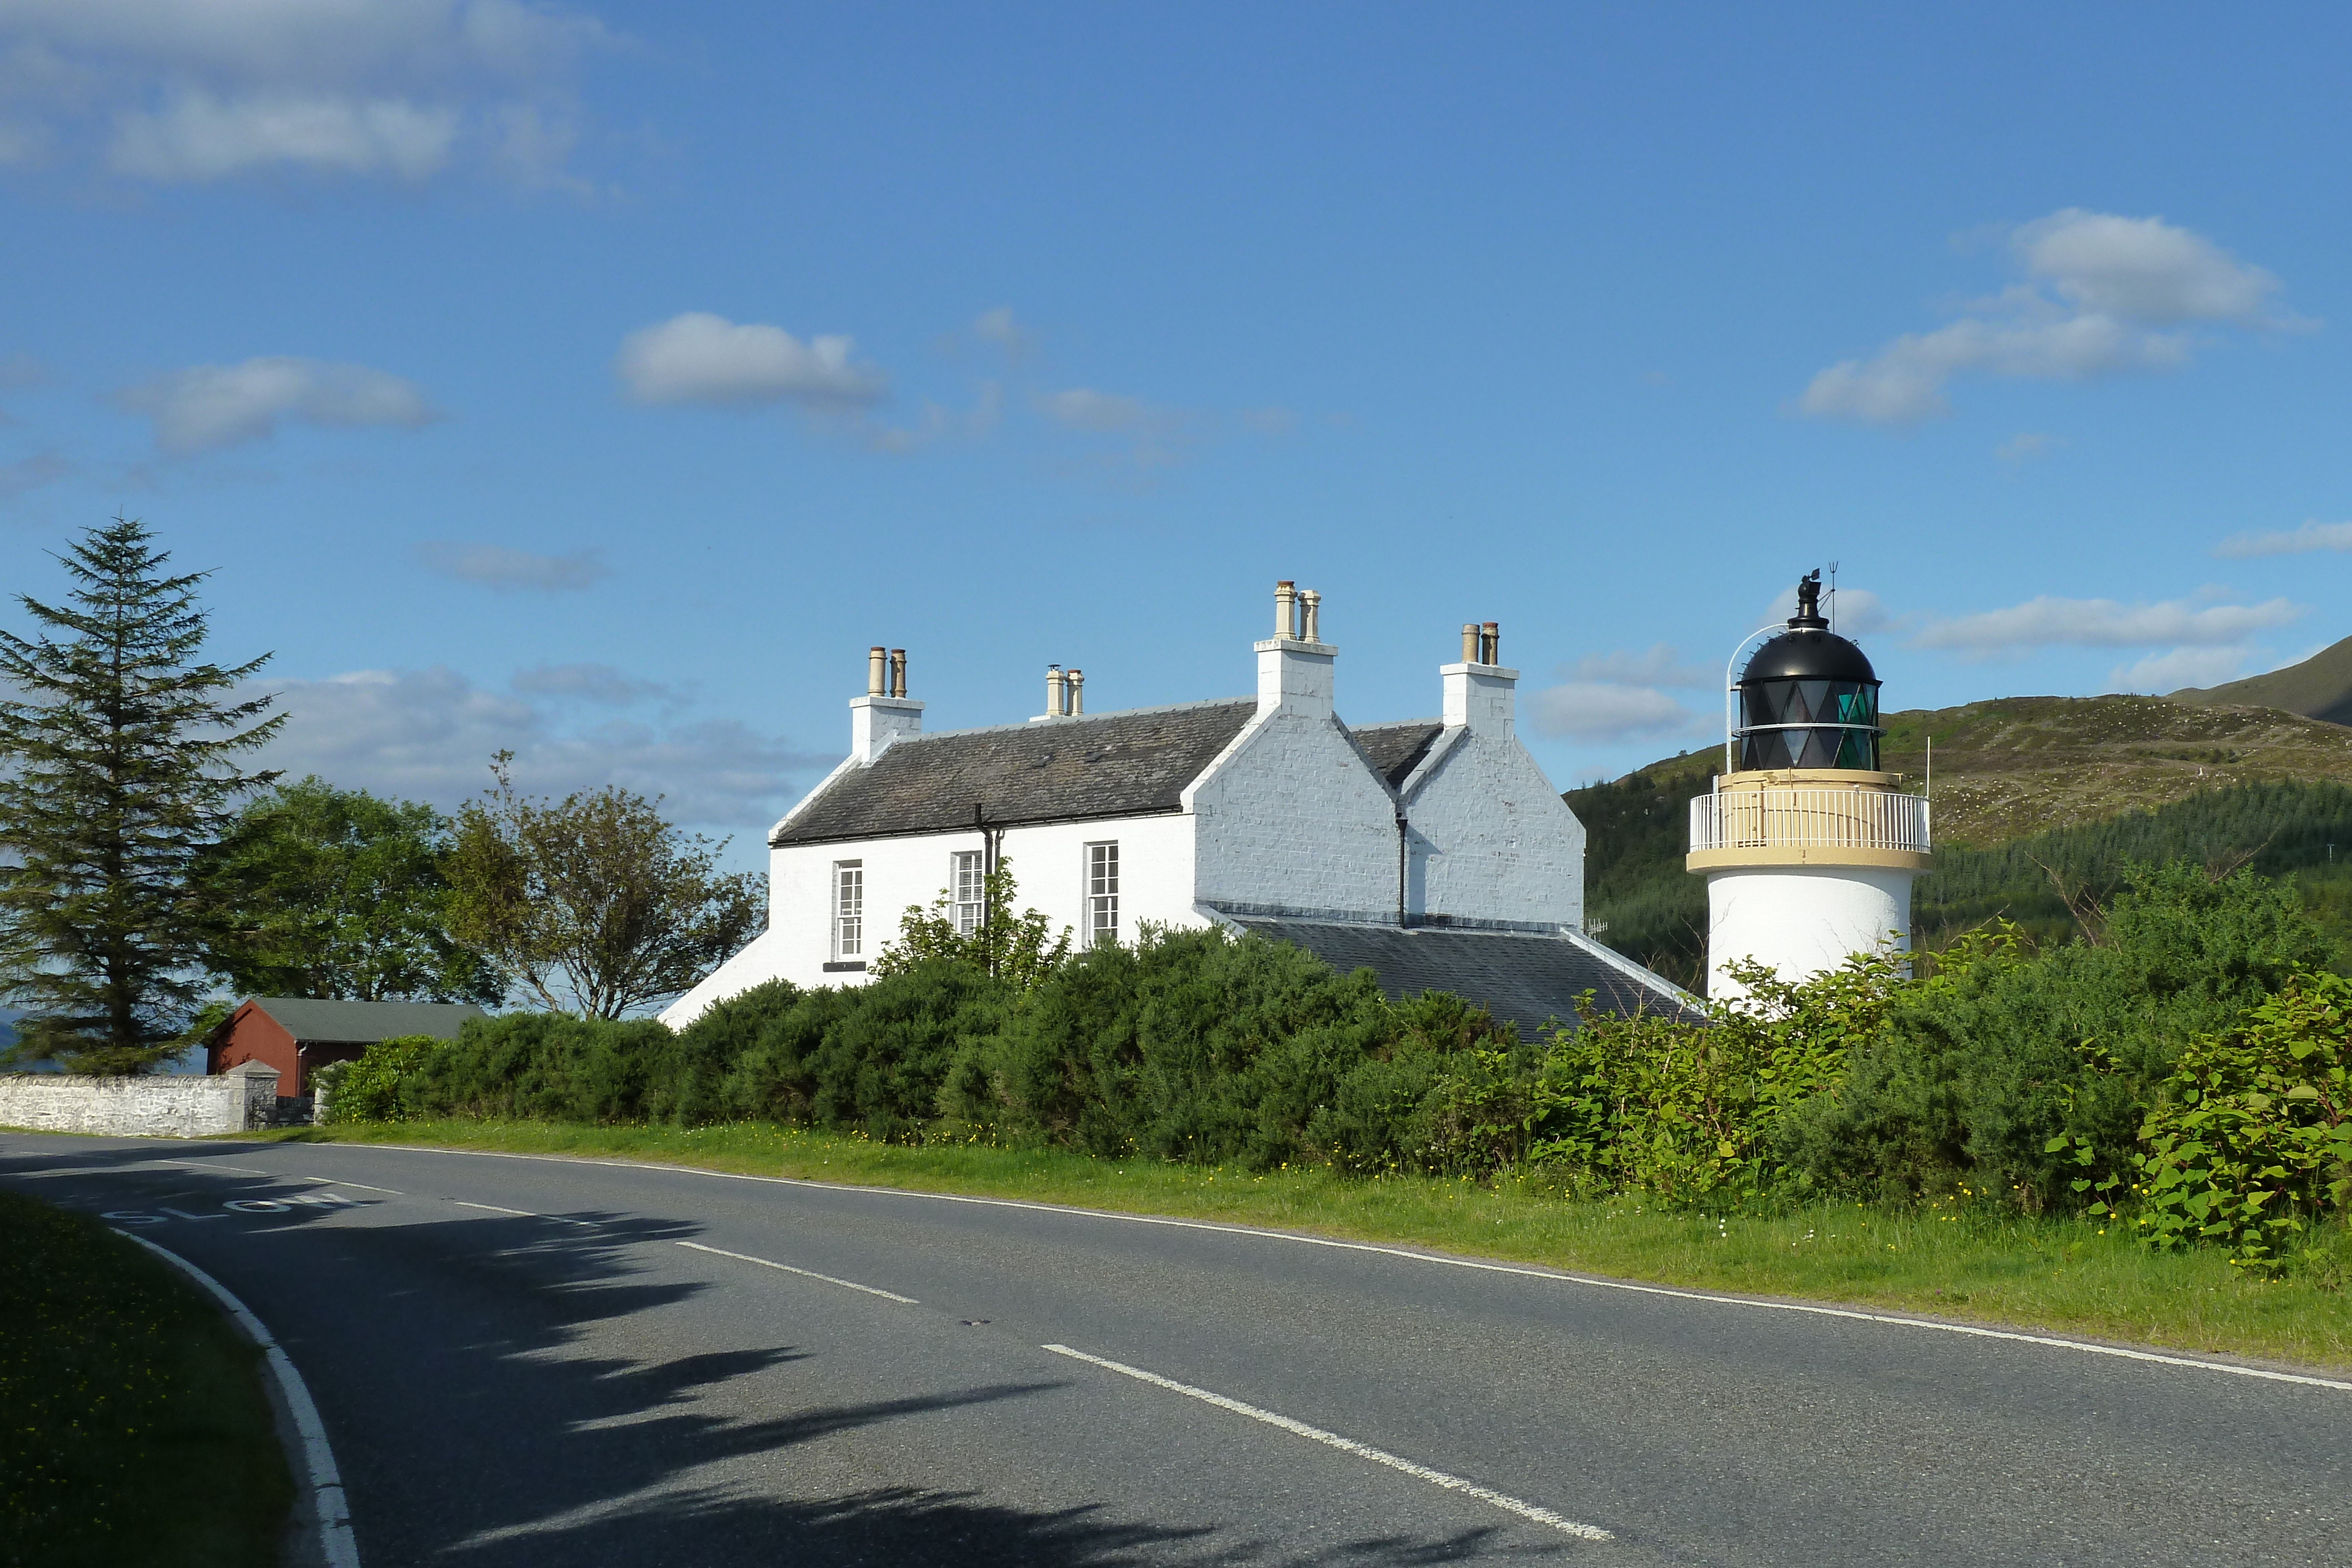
(1314, 602)
(1469, 642)
(898, 671)
(1286, 608)
(1055, 691)
(1490, 643)
(878, 678)
(1076, 688)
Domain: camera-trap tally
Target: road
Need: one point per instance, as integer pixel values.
(526, 1361)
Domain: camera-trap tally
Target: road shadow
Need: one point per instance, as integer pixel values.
(509, 1391)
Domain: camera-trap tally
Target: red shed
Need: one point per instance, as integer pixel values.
(296, 1034)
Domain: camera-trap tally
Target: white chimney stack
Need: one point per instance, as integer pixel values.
(1479, 692)
(1293, 665)
(883, 714)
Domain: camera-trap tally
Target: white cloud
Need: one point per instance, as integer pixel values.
(987, 409)
(205, 407)
(2171, 671)
(200, 137)
(2304, 541)
(1084, 408)
(2104, 295)
(30, 473)
(699, 358)
(1604, 711)
(173, 91)
(998, 326)
(429, 734)
(2046, 620)
(494, 566)
(592, 683)
(2026, 445)
(1660, 666)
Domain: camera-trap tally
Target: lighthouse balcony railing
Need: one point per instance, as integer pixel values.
(1809, 818)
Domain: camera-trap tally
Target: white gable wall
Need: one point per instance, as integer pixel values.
(1492, 840)
(1292, 816)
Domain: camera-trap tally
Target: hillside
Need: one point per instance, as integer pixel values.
(2319, 687)
(2091, 780)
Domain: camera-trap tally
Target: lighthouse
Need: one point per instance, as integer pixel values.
(1808, 848)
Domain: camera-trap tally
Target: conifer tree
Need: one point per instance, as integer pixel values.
(118, 753)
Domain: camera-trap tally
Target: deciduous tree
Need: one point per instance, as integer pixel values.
(595, 903)
(320, 892)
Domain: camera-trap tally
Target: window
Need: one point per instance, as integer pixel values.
(848, 908)
(970, 883)
(1102, 893)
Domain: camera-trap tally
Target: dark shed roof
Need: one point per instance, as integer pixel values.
(364, 1023)
(1521, 979)
(1100, 765)
(1396, 749)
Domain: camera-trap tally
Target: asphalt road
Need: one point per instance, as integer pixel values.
(545, 1362)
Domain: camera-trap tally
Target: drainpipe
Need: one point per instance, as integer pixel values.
(1401, 864)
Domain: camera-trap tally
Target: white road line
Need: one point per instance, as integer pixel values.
(804, 1273)
(1345, 1444)
(337, 1181)
(328, 1505)
(521, 1213)
(2050, 1341)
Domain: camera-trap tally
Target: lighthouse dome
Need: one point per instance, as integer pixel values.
(1809, 697)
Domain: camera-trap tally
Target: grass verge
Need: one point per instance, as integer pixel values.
(1963, 1259)
(135, 1427)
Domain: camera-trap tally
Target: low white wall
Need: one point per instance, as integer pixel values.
(236, 1100)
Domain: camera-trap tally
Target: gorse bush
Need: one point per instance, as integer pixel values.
(2193, 1050)
(368, 1088)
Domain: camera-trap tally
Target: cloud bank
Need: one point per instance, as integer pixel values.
(508, 571)
(206, 407)
(180, 92)
(2103, 295)
(1620, 696)
(2044, 621)
(428, 735)
(2304, 541)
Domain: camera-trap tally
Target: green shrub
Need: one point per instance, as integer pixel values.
(551, 1066)
(2252, 1142)
(368, 1088)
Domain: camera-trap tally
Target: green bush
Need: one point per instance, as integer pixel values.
(368, 1088)
(2251, 1141)
(551, 1066)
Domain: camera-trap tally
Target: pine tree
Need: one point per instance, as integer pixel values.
(116, 765)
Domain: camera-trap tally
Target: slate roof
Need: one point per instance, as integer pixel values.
(364, 1023)
(1128, 763)
(1520, 978)
(1396, 749)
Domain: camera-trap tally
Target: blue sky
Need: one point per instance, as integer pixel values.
(601, 381)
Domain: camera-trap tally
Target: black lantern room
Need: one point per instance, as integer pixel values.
(1809, 698)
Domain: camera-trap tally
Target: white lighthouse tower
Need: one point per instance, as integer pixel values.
(1807, 849)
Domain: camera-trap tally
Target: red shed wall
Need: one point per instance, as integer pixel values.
(252, 1035)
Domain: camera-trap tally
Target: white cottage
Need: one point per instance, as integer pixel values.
(1433, 851)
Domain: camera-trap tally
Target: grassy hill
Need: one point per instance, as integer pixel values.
(2079, 784)
(2319, 687)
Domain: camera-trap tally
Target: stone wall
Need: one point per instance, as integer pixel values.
(237, 1101)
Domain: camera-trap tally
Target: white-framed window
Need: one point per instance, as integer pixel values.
(968, 883)
(1102, 893)
(848, 909)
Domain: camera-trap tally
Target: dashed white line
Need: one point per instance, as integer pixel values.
(521, 1213)
(1509, 1504)
(1894, 1320)
(328, 1507)
(804, 1273)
